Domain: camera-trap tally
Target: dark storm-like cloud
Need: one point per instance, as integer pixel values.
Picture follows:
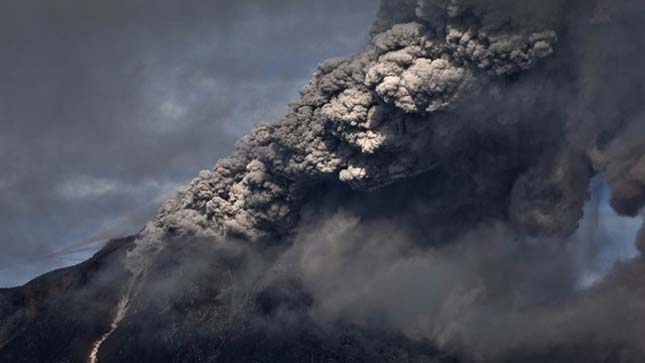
(107, 107)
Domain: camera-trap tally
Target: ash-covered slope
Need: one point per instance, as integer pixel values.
(58, 316)
(418, 203)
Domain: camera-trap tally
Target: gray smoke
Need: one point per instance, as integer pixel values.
(366, 120)
(488, 295)
(510, 107)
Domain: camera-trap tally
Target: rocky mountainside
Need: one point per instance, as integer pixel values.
(212, 317)
(60, 316)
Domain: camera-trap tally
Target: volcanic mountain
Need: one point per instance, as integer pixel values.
(421, 202)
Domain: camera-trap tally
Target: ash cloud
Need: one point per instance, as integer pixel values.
(506, 111)
(471, 131)
(487, 296)
(366, 120)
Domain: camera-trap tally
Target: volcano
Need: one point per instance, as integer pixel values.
(423, 201)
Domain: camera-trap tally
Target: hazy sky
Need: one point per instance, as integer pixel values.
(107, 106)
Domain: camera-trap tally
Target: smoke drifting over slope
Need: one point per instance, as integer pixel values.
(505, 110)
(489, 295)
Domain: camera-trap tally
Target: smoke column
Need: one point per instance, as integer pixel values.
(516, 106)
(382, 115)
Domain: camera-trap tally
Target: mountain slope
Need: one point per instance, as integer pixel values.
(59, 316)
(195, 307)
(56, 317)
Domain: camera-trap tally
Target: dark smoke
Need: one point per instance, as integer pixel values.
(366, 120)
(432, 182)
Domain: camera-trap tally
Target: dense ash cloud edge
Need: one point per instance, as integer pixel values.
(388, 113)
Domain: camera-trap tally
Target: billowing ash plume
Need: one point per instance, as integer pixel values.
(385, 114)
(505, 109)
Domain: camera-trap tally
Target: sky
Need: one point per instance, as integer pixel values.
(603, 237)
(107, 107)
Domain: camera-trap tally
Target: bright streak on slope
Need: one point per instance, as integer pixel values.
(122, 310)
